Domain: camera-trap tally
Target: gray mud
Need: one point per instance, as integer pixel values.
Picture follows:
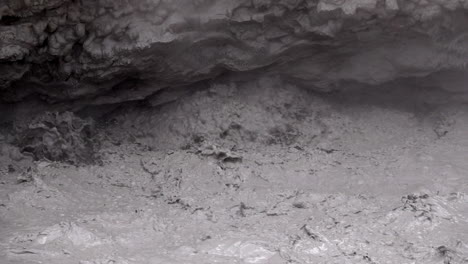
(252, 172)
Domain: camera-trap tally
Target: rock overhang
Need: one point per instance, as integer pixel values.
(127, 50)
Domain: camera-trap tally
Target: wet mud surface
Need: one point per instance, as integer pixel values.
(335, 181)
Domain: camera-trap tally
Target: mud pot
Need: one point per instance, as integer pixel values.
(257, 171)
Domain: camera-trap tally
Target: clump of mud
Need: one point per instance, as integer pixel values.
(60, 137)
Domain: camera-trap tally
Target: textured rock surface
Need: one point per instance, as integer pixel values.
(127, 50)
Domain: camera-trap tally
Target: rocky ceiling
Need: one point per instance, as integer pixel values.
(110, 51)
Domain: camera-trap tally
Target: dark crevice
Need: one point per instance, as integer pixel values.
(9, 20)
